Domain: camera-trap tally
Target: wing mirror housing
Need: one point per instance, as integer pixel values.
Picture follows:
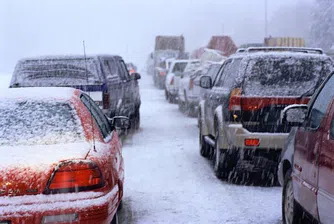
(136, 76)
(120, 122)
(294, 115)
(205, 82)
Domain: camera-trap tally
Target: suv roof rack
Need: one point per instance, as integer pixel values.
(241, 50)
(292, 49)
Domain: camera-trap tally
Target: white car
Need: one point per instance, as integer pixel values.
(189, 93)
(176, 70)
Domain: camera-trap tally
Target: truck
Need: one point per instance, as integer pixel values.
(166, 48)
(284, 42)
(223, 44)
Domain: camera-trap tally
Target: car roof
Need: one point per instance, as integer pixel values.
(274, 54)
(39, 93)
(64, 57)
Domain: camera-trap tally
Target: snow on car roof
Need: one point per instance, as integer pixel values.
(278, 54)
(60, 57)
(64, 93)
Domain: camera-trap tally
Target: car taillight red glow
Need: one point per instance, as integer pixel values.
(235, 100)
(172, 81)
(252, 142)
(75, 177)
(162, 73)
(106, 100)
(191, 84)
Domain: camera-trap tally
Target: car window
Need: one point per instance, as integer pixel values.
(112, 74)
(229, 74)
(332, 129)
(179, 67)
(284, 75)
(125, 70)
(98, 115)
(29, 122)
(321, 103)
(121, 71)
(213, 70)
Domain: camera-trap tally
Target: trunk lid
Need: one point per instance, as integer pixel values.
(26, 170)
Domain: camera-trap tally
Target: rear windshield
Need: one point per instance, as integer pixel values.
(56, 72)
(42, 123)
(179, 67)
(285, 76)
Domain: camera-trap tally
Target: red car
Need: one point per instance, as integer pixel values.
(61, 159)
(308, 189)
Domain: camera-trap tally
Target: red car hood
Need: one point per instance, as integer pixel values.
(25, 170)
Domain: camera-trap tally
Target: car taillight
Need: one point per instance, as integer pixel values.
(162, 73)
(235, 100)
(75, 176)
(105, 100)
(235, 104)
(191, 84)
(172, 81)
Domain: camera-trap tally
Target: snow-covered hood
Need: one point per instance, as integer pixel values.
(27, 169)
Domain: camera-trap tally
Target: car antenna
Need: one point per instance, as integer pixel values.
(86, 88)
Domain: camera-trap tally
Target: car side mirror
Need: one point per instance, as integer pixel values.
(205, 82)
(120, 122)
(136, 76)
(294, 115)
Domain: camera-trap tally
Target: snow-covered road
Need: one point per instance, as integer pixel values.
(167, 181)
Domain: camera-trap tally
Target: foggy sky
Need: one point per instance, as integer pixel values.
(127, 27)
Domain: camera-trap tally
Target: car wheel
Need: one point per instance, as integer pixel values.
(216, 158)
(221, 160)
(115, 219)
(170, 98)
(291, 212)
(166, 95)
(137, 119)
(204, 147)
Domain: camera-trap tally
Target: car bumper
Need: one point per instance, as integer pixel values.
(73, 208)
(172, 90)
(264, 156)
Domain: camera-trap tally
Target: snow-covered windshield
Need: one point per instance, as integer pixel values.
(56, 72)
(284, 76)
(27, 122)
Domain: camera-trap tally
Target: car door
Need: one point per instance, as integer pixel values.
(128, 89)
(105, 129)
(309, 140)
(221, 90)
(325, 197)
(114, 82)
(208, 97)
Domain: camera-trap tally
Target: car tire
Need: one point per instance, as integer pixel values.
(221, 160)
(181, 106)
(166, 95)
(291, 212)
(204, 147)
(115, 219)
(137, 119)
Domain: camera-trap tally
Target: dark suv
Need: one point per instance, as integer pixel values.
(104, 77)
(240, 116)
